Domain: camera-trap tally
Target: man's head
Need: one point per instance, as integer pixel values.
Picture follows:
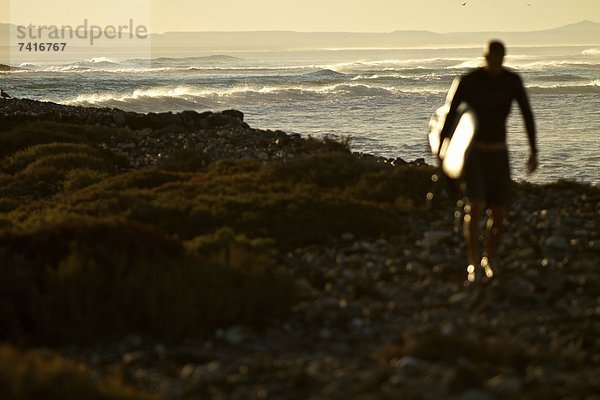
(494, 56)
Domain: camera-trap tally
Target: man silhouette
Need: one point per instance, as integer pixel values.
(489, 91)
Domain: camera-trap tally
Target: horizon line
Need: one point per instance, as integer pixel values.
(355, 32)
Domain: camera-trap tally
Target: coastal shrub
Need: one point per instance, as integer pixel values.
(81, 178)
(169, 210)
(45, 178)
(220, 168)
(104, 159)
(146, 178)
(291, 215)
(388, 184)
(45, 170)
(40, 171)
(298, 202)
(65, 163)
(44, 375)
(335, 169)
(8, 204)
(170, 217)
(292, 203)
(36, 183)
(86, 279)
(186, 160)
(225, 247)
(298, 218)
(29, 134)
(330, 144)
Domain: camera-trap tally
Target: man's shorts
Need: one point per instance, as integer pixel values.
(487, 176)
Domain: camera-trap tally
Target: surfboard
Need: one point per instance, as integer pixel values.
(453, 151)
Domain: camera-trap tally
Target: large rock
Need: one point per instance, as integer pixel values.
(119, 117)
(220, 119)
(234, 113)
(14, 112)
(193, 120)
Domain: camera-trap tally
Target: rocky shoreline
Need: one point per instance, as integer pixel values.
(221, 135)
(385, 318)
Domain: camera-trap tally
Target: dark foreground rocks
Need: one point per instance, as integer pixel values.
(391, 319)
(23, 110)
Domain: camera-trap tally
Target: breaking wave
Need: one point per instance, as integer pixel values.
(323, 74)
(591, 52)
(216, 58)
(189, 95)
(590, 87)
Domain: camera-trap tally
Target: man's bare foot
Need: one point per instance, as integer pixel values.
(487, 268)
(471, 272)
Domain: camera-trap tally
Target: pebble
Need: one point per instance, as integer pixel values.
(432, 239)
(133, 357)
(348, 237)
(235, 335)
(557, 243)
(410, 365)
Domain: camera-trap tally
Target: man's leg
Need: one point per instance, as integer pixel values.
(471, 234)
(494, 227)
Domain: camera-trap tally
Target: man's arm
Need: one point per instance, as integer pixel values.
(523, 101)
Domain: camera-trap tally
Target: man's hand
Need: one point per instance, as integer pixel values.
(532, 163)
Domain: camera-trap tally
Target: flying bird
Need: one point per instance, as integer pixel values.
(5, 95)
(464, 4)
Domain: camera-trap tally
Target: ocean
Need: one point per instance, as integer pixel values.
(381, 98)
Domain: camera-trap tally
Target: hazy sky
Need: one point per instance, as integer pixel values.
(313, 15)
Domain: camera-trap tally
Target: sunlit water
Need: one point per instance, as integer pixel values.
(382, 99)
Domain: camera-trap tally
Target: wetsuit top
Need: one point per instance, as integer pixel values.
(491, 97)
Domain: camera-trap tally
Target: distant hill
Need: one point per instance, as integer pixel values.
(584, 33)
(583, 26)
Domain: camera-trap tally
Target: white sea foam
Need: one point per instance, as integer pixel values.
(357, 90)
(99, 60)
(468, 64)
(238, 92)
(566, 88)
(155, 93)
(368, 77)
(591, 52)
(549, 65)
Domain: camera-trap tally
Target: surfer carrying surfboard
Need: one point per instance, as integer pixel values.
(489, 92)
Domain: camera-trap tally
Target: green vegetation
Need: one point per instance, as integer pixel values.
(63, 280)
(91, 249)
